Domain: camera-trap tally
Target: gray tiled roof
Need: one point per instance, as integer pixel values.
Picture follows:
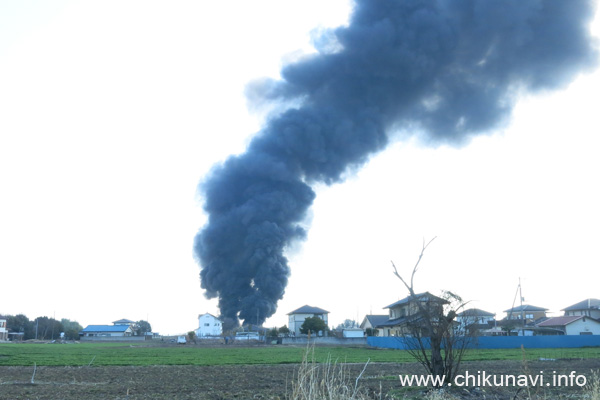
(525, 307)
(475, 312)
(560, 321)
(124, 321)
(412, 319)
(375, 320)
(425, 296)
(309, 310)
(588, 304)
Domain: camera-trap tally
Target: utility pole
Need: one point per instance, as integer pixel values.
(522, 311)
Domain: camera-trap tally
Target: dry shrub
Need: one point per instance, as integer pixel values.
(329, 380)
(593, 387)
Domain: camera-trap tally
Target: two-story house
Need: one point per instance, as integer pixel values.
(582, 318)
(474, 320)
(209, 326)
(572, 325)
(586, 308)
(296, 318)
(405, 314)
(527, 313)
(522, 320)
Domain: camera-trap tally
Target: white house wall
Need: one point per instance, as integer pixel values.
(575, 328)
(3, 331)
(208, 325)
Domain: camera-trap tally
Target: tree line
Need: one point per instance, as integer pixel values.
(42, 328)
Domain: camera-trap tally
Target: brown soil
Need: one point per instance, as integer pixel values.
(258, 381)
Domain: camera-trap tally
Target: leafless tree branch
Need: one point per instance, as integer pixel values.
(430, 335)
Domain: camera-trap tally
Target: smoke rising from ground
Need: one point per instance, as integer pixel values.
(445, 70)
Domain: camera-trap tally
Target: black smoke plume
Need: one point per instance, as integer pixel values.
(445, 70)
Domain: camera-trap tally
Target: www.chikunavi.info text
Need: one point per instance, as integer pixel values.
(483, 379)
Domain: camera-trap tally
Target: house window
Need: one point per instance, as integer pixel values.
(207, 324)
(529, 316)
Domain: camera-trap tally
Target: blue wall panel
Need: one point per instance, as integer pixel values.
(504, 342)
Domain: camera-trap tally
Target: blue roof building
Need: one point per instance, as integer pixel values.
(107, 330)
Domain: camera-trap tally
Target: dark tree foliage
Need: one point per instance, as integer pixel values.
(314, 325)
(141, 327)
(284, 330)
(348, 323)
(47, 328)
(42, 328)
(71, 329)
(20, 324)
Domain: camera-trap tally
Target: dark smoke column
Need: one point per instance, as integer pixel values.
(445, 70)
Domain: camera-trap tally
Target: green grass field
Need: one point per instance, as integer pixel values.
(104, 354)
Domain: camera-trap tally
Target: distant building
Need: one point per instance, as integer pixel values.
(209, 325)
(523, 320)
(405, 315)
(3, 330)
(353, 333)
(297, 317)
(526, 312)
(475, 321)
(588, 307)
(572, 325)
(371, 322)
(124, 322)
(119, 328)
(106, 331)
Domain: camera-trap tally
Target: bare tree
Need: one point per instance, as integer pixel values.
(429, 332)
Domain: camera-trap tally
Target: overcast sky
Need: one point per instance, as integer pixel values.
(112, 112)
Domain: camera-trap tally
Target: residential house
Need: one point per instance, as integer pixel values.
(475, 321)
(121, 327)
(209, 326)
(405, 314)
(370, 322)
(572, 325)
(526, 312)
(106, 330)
(3, 329)
(588, 307)
(523, 320)
(296, 318)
